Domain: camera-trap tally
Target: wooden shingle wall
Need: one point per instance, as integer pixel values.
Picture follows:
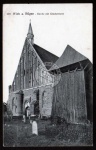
(69, 97)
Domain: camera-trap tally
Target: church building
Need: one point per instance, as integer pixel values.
(31, 89)
(47, 85)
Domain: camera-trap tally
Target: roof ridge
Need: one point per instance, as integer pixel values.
(46, 50)
(66, 49)
(46, 56)
(68, 57)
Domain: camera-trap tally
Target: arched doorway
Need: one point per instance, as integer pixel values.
(27, 111)
(27, 108)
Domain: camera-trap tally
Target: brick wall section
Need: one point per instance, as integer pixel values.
(15, 103)
(25, 74)
(45, 103)
(25, 80)
(45, 110)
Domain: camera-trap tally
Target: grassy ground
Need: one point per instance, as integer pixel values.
(18, 134)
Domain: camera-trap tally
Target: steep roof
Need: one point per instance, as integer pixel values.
(69, 56)
(45, 55)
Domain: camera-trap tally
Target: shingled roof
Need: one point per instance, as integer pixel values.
(45, 55)
(69, 56)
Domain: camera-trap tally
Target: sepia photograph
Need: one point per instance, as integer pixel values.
(47, 75)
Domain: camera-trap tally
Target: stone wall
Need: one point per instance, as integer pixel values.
(45, 100)
(46, 97)
(15, 103)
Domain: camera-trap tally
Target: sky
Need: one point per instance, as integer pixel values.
(54, 26)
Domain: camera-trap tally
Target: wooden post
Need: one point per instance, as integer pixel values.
(86, 66)
(81, 66)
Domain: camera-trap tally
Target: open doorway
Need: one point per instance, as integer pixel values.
(22, 96)
(27, 111)
(36, 104)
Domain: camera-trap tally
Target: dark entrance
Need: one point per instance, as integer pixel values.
(26, 111)
(36, 104)
(22, 102)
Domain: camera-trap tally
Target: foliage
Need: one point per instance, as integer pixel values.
(19, 134)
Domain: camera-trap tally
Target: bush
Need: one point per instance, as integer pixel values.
(51, 131)
(83, 119)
